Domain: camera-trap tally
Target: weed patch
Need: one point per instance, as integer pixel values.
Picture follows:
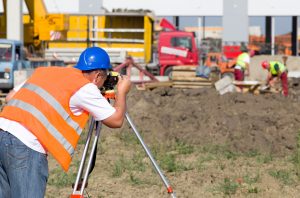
(282, 175)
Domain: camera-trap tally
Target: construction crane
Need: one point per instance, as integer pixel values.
(120, 33)
(39, 25)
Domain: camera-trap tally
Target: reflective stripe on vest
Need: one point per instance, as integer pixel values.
(40, 117)
(240, 60)
(56, 105)
(42, 107)
(281, 66)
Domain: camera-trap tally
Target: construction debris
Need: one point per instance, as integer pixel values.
(185, 77)
(152, 85)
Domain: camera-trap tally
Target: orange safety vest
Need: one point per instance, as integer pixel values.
(42, 106)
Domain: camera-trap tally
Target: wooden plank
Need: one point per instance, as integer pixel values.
(185, 68)
(192, 83)
(152, 85)
(158, 84)
(190, 79)
(184, 73)
(247, 83)
(189, 86)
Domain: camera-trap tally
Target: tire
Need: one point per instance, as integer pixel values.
(168, 72)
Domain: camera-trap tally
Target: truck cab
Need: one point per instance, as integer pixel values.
(176, 48)
(11, 59)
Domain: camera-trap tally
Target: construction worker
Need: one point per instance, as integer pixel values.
(241, 68)
(47, 115)
(276, 70)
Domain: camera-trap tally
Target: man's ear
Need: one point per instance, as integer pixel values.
(97, 77)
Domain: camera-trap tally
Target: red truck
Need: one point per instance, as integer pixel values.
(179, 48)
(174, 48)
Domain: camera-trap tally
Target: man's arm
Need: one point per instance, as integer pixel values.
(117, 118)
(269, 78)
(247, 71)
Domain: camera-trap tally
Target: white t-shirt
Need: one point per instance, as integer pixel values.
(86, 98)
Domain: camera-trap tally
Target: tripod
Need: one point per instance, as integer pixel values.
(81, 183)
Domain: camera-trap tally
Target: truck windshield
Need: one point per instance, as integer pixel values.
(5, 52)
(185, 42)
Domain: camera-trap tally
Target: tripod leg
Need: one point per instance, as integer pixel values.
(79, 192)
(163, 178)
(86, 147)
(99, 125)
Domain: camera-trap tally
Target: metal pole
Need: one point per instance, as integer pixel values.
(99, 125)
(199, 31)
(86, 147)
(203, 28)
(163, 178)
(273, 35)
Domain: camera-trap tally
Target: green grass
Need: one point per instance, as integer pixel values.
(264, 159)
(183, 148)
(128, 137)
(285, 176)
(252, 153)
(135, 163)
(168, 163)
(251, 180)
(60, 179)
(135, 180)
(220, 151)
(228, 187)
(253, 189)
(118, 167)
(296, 157)
(202, 160)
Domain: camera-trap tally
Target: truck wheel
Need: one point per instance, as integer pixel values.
(168, 72)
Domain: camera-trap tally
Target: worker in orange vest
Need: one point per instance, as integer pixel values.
(47, 115)
(277, 70)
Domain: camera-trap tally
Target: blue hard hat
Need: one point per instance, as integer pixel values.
(93, 58)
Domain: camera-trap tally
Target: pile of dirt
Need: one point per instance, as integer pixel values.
(243, 122)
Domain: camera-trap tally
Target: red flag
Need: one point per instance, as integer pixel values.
(164, 23)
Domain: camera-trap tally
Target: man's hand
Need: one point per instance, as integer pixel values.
(123, 87)
(124, 84)
(247, 72)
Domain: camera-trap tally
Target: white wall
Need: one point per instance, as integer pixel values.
(183, 7)
(274, 7)
(207, 7)
(171, 7)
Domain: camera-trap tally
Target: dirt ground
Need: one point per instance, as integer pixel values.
(208, 145)
(235, 145)
(267, 123)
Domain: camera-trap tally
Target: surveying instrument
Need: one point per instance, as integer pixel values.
(84, 171)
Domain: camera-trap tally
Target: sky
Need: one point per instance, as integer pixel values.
(282, 24)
